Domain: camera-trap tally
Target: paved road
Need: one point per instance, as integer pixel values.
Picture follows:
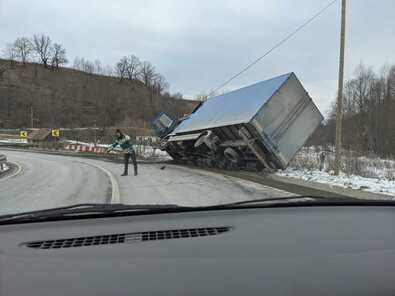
(46, 181)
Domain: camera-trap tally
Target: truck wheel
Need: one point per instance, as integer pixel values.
(209, 139)
(232, 155)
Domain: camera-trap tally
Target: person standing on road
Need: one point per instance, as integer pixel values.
(123, 141)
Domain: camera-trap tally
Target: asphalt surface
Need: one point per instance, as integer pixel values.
(41, 181)
(271, 180)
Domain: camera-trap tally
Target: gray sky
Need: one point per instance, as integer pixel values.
(198, 44)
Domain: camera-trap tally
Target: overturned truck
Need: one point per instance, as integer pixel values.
(260, 126)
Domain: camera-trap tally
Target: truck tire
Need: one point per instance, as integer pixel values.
(232, 155)
(209, 139)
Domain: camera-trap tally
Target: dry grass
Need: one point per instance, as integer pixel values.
(352, 164)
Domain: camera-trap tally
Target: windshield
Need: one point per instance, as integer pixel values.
(194, 103)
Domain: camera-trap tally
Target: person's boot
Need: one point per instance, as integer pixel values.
(124, 174)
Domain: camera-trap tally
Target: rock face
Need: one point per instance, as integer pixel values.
(71, 98)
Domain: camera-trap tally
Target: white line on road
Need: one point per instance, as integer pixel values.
(115, 195)
(17, 172)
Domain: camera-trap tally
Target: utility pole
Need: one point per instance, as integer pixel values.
(339, 107)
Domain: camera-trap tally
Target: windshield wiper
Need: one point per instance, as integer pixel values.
(101, 208)
(305, 200)
(81, 209)
(94, 210)
(288, 199)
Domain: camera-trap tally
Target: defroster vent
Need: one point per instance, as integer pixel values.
(126, 238)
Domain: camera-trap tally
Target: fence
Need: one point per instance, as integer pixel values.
(352, 163)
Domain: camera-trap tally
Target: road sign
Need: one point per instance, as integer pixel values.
(55, 133)
(23, 134)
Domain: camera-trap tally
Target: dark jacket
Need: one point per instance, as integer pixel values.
(124, 142)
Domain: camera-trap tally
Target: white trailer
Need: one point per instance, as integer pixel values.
(259, 126)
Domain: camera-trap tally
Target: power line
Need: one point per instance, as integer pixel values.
(278, 44)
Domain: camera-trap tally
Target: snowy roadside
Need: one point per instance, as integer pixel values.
(376, 185)
(143, 151)
(13, 141)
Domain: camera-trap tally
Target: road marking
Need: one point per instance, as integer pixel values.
(115, 195)
(17, 172)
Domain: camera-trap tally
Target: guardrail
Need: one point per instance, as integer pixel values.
(3, 160)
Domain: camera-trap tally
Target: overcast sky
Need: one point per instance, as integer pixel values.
(198, 44)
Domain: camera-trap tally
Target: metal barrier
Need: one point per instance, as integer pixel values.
(3, 160)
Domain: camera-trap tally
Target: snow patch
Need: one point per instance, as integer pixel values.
(13, 141)
(375, 185)
(142, 151)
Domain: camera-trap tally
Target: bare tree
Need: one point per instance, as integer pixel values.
(10, 53)
(42, 47)
(77, 63)
(89, 67)
(133, 67)
(98, 67)
(121, 68)
(23, 48)
(147, 73)
(84, 65)
(159, 84)
(58, 55)
(368, 107)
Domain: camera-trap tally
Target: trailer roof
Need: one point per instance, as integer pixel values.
(235, 107)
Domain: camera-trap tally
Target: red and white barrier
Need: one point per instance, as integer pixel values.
(83, 148)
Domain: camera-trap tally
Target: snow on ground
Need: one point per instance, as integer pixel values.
(13, 141)
(149, 152)
(347, 181)
(142, 151)
(371, 174)
(351, 164)
(73, 142)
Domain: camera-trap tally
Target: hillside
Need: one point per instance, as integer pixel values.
(71, 98)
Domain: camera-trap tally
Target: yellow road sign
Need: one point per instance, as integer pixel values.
(55, 133)
(23, 134)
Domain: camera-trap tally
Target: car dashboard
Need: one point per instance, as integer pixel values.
(255, 251)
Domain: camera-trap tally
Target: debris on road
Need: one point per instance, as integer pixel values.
(4, 168)
(3, 165)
